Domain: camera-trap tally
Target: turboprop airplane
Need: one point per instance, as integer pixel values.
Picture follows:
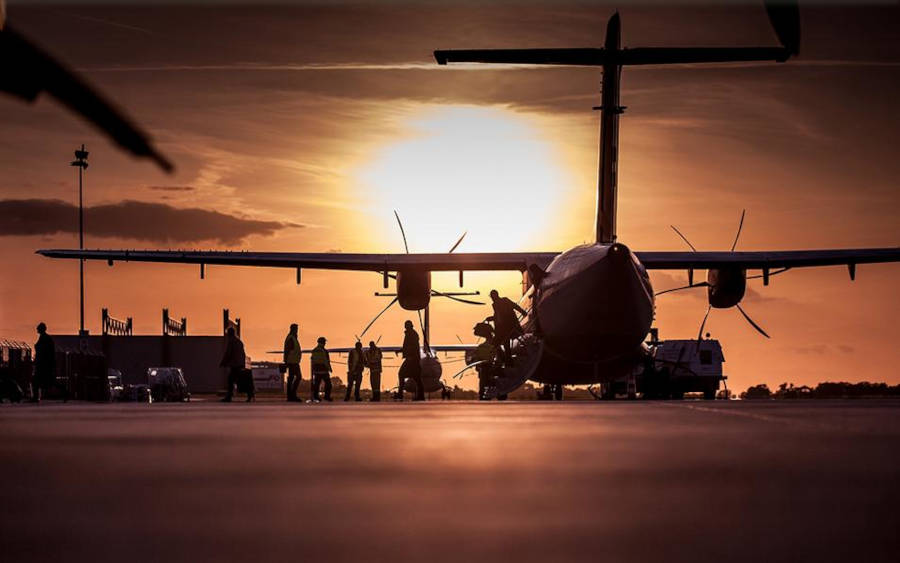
(591, 306)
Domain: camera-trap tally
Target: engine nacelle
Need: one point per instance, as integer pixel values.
(414, 289)
(726, 286)
(431, 376)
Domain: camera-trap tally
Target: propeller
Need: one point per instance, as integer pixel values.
(434, 293)
(737, 237)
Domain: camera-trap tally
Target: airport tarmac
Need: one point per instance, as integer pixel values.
(577, 481)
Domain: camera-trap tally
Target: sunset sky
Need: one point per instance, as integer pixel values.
(302, 127)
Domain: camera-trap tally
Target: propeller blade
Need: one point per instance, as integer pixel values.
(394, 300)
(467, 368)
(703, 324)
(785, 19)
(457, 242)
(753, 324)
(424, 334)
(740, 226)
(402, 232)
(684, 238)
(701, 284)
(434, 292)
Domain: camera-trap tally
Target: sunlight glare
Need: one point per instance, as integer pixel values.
(488, 171)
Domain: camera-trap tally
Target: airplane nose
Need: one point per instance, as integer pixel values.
(618, 253)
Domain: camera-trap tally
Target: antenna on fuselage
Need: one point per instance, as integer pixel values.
(785, 20)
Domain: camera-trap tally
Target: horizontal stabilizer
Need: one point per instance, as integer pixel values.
(687, 55)
(573, 56)
(600, 57)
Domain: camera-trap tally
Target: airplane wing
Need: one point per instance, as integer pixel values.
(490, 261)
(767, 259)
(398, 349)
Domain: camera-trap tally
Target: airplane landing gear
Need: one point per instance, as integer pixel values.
(551, 392)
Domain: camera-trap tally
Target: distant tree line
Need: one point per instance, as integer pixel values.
(826, 390)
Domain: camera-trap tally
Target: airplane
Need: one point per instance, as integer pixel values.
(591, 306)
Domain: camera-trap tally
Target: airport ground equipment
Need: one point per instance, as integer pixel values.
(16, 367)
(684, 366)
(167, 384)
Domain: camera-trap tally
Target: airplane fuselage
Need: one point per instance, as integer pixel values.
(593, 309)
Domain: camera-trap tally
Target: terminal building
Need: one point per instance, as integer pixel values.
(198, 356)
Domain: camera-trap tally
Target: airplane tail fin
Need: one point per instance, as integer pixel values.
(784, 16)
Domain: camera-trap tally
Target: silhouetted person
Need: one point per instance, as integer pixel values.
(320, 366)
(411, 366)
(485, 352)
(236, 361)
(292, 355)
(44, 364)
(356, 361)
(373, 362)
(506, 324)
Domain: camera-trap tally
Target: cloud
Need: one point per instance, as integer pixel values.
(171, 188)
(825, 349)
(153, 222)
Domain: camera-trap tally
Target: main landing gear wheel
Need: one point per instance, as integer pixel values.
(558, 392)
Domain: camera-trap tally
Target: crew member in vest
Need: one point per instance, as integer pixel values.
(373, 362)
(356, 362)
(411, 366)
(320, 367)
(292, 355)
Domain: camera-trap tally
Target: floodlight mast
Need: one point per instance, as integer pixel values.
(612, 57)
(80, 162)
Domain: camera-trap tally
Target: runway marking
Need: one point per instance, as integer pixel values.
(762, 417)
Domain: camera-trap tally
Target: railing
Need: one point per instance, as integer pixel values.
(171, 327)
(228, 323)
(116, 327)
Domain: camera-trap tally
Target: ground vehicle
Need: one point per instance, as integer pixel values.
(671, 369)
(116, 389)
(167, 384)
(684, 366)
(136, 393)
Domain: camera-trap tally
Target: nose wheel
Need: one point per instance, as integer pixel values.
(551, 392)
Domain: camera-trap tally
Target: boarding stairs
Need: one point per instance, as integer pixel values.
(527, 352)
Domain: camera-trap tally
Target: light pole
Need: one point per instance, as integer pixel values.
(81, 162)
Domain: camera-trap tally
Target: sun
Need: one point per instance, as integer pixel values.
(489, 171)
